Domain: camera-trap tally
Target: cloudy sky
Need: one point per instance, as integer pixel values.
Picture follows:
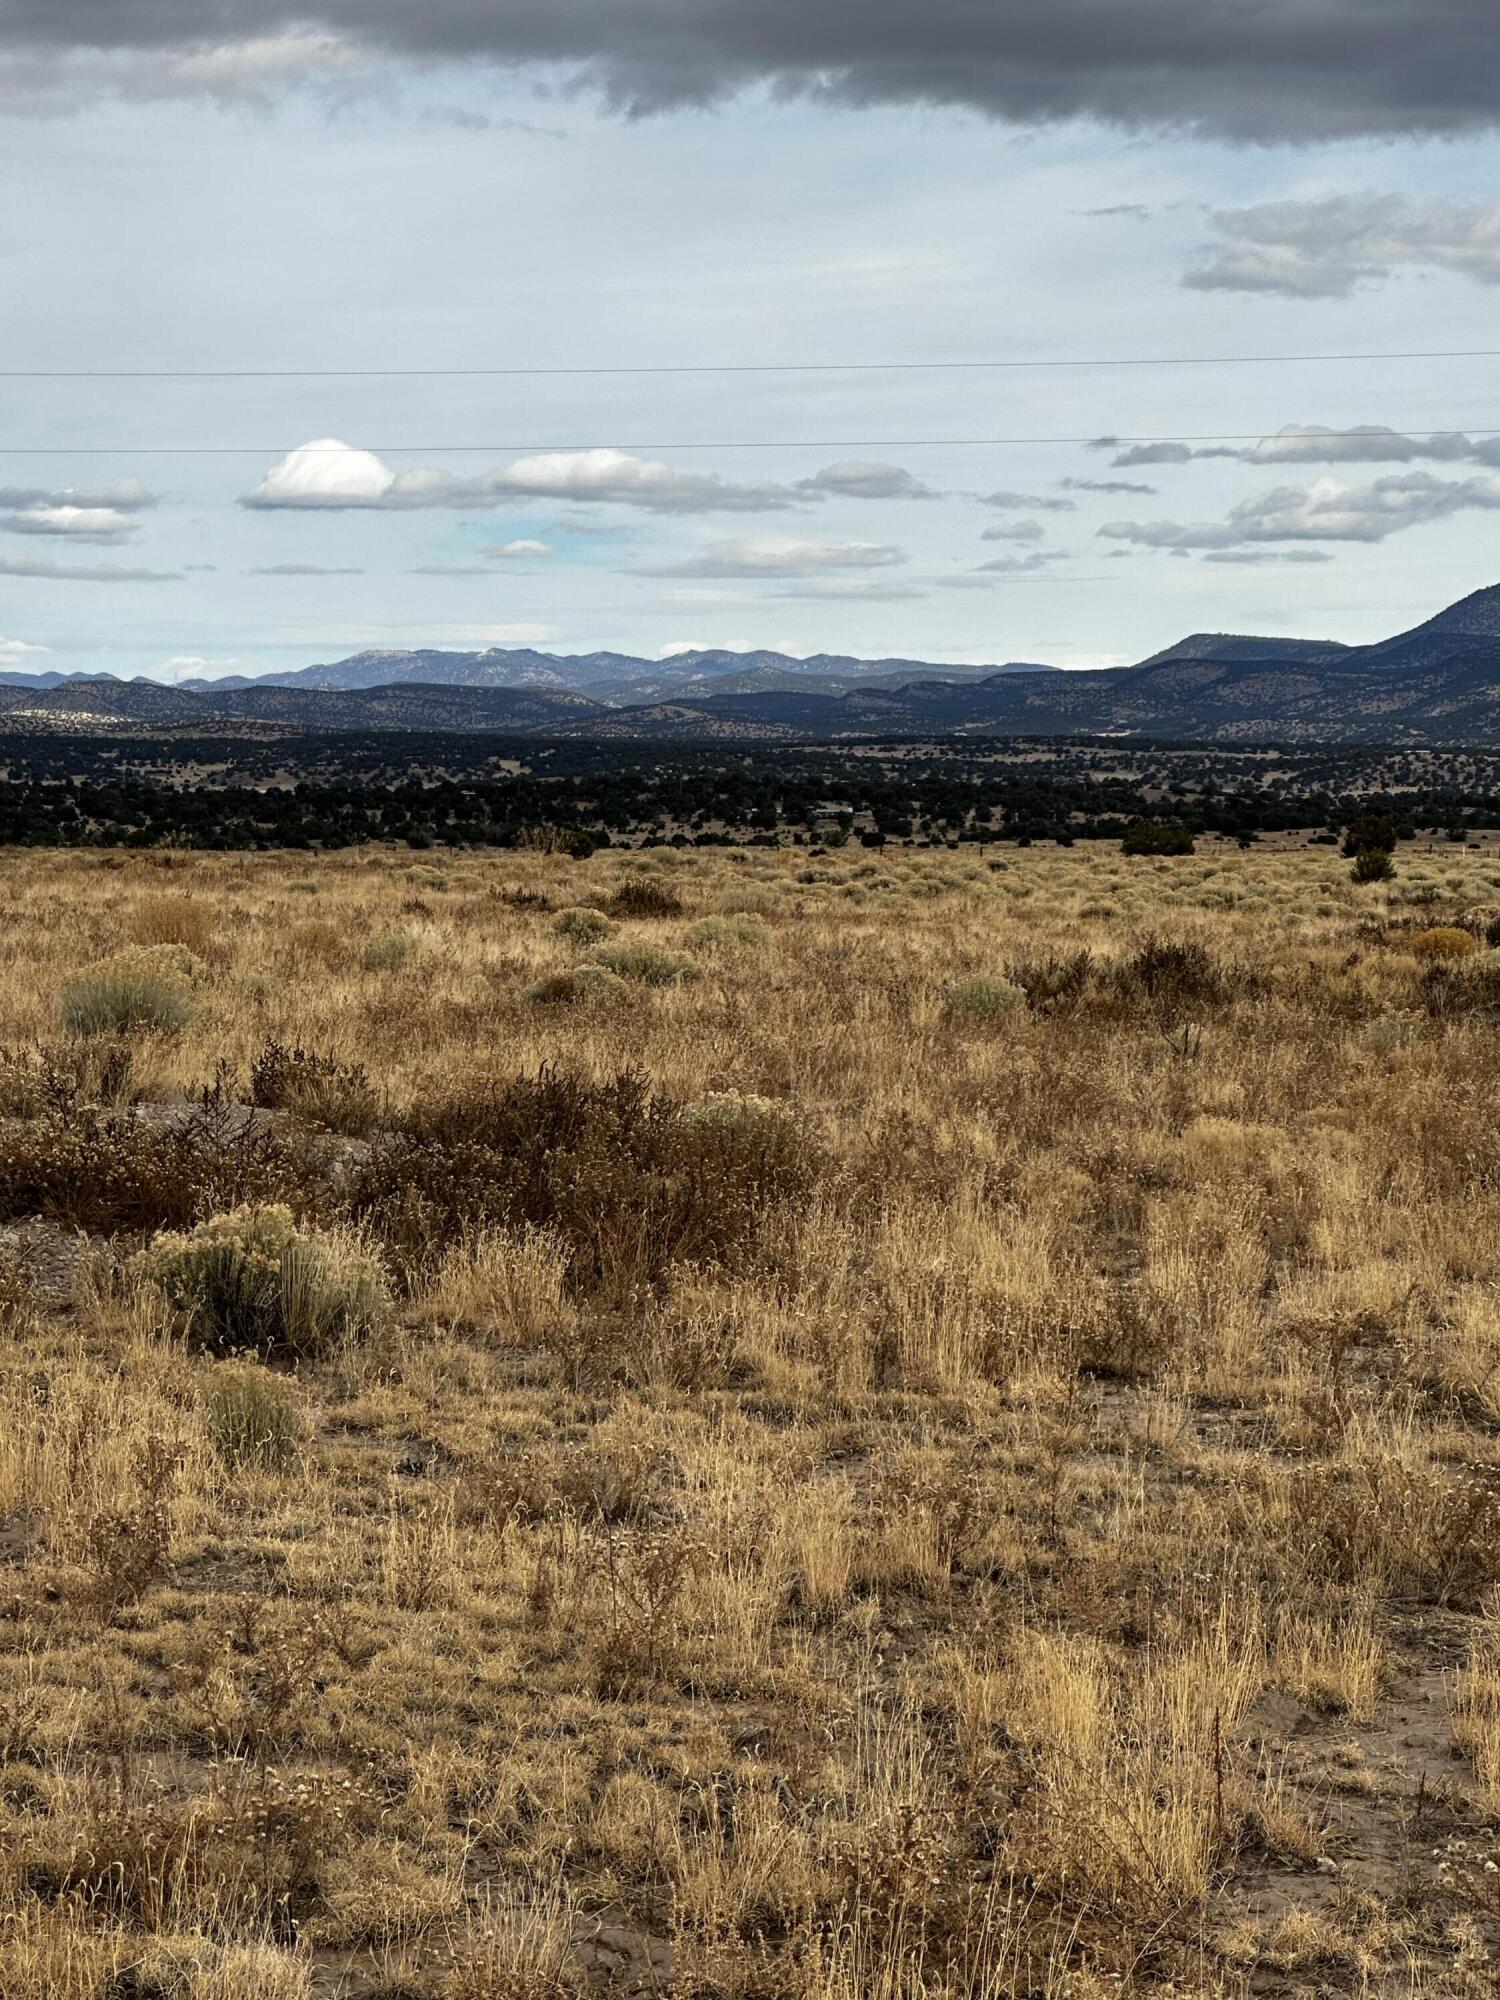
(647, 218)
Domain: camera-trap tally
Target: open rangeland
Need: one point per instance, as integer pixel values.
(790, 1425)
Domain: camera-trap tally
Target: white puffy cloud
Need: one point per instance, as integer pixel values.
(74, 524)
(325, 473)
(13, 651)
(781, 555)
(330, 475)
(1327, 249)
(522, 551)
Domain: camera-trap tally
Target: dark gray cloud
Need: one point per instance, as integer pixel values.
(1014, 531)
(1047, 502)
(1369, 444)
(129, 497)
(300, 569)
(1328, 249)
(1252, 556)
(1311, 444)
(1037, 559)
(1107, 486)
(42, 566)
(1325, 512)
(1160, 454)
(1298, 70)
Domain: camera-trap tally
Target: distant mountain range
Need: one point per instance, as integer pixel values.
(1438, 684)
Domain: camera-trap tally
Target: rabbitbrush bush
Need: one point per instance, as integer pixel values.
(253, 1281)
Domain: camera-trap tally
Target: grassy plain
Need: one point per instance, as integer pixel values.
(984, 1483)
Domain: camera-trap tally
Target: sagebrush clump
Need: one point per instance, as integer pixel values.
(146, 989)
(648, 965)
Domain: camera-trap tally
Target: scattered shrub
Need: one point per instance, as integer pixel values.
(251, 1418)
(1444, 943)
(1455, 988)
(1055, 983)
(387, 953)
(1372, 864)
(984, 1000)
(148, 989)
(532, 902)
(648, 965)
(726, 1107)
(727, 933)
(1173, 972)
(1482, 923)
(1385, 1037)
(1156, 836)
(627, 1180)
(1369, 833)
(179, 920)
(34, 1082)
(112, 1171)
(642, 898)
(252, 1281)
(250, 1850)
(321, 941)
(126, 1546)
(583, 926)
(338, 1095)
(588, 985)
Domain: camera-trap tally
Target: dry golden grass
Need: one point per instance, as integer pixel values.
(1053, 1550)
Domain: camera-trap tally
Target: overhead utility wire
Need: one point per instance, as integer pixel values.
(1104, 440)
(737, 367)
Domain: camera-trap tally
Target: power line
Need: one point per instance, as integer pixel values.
(737, 367)
(1109, 441)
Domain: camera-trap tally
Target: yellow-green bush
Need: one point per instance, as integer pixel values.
(251, 1418)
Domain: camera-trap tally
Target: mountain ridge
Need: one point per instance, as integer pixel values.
(1438, 682)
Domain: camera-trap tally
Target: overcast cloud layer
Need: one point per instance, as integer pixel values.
(1284, 69)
